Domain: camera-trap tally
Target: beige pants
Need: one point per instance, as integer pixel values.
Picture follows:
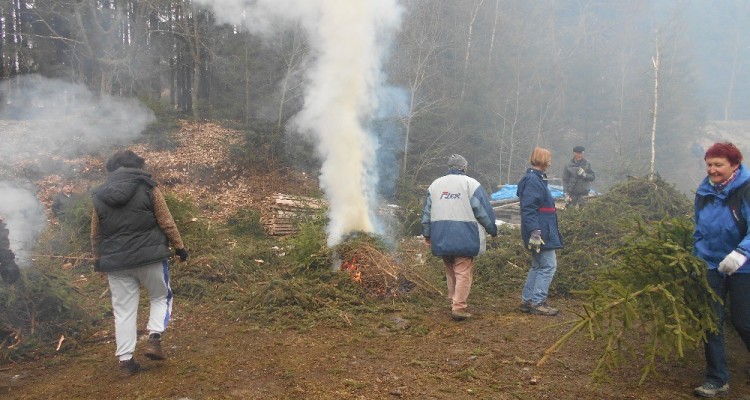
(458, 274)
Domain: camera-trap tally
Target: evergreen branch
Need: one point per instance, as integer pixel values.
(592, 315)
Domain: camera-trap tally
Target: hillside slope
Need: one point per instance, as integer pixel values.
(222, 344)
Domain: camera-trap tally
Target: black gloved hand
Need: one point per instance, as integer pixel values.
(9, 272)
(182, 253)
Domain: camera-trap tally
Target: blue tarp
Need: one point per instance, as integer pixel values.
(508, 192)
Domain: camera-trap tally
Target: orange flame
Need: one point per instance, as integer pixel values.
(353, 269)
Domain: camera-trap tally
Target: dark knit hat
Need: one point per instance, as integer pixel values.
(457, 161)
(578, 149)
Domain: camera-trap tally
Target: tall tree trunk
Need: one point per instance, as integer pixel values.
(514, 122)
(197, 61)
(654, 115)
(492, 37)
(247, 79)
(468, 46)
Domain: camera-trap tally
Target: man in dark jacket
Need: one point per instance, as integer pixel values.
(577, 178)
(131, 228)
(62, 200)
(8, 268)
(456, 219)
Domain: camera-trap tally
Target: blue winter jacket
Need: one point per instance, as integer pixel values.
(716, 232)
(457, 216)
(538, 210)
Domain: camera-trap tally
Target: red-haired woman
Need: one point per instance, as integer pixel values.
(539, 232)
(721, 242)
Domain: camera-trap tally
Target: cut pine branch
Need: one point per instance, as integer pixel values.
(592, 316)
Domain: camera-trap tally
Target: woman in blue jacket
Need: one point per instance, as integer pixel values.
(721, 243)
(539, 232)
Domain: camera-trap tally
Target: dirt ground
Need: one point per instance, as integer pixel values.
(416, 356)
(413, 352)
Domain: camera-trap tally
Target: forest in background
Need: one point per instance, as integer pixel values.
(489, 79)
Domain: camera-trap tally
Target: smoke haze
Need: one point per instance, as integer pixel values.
(348, 40)
(43, 119)
(66, 119)
(24, 216)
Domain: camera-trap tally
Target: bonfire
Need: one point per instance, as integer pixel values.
(371, 264)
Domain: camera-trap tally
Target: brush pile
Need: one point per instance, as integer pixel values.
(38, 313)
(602, 226)
(368, 261)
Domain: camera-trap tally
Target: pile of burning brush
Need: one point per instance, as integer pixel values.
(371, 264)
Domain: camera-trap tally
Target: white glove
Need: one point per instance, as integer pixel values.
(732, 262)
(535, 241)
(582, 172)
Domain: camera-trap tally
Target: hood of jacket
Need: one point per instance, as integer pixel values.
(121, 186)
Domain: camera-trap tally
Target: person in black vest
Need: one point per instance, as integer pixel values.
(8, 268)
(724, 245)
(577, 178)
(131, 229)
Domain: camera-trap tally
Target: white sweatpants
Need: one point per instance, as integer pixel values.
(125, 286)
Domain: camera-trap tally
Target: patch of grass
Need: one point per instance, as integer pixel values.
(353, 384)
(69, 235)
(245, 222)
(308, 249)
(422, 363)
(419, 330)
(467, 374)
(479, 352)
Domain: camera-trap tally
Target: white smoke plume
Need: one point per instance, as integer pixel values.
(23, 214)
(348, 39)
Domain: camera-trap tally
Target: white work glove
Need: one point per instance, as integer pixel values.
(567, 199)
(581, 172)
(732, 262)
(535, 241)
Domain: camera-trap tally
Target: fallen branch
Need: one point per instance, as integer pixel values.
(60, 342)
(426, 283)
(64, 257)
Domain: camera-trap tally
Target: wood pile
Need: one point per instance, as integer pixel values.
(281, 213)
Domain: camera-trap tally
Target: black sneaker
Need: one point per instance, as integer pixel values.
(709, 389)
(153, 347)
(128, 368)
(525, 307)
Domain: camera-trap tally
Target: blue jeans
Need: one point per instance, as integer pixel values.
(543, 267)
(737, 286)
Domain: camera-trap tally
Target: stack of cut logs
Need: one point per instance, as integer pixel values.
(282, 213)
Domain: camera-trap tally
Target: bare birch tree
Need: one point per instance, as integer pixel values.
(474, 13)
(422, 43)
(655, 62)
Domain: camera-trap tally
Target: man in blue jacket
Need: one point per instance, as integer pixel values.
(456, 219)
